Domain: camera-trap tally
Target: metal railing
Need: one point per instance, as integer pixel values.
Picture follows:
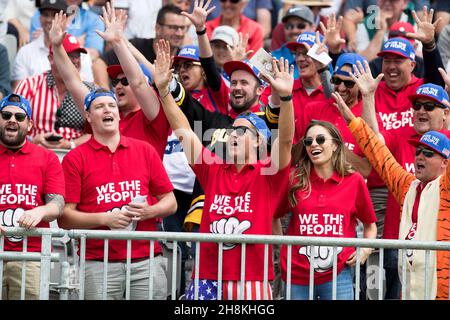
(81, 235)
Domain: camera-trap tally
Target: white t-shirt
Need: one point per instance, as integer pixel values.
(22, 10)
(142, 18)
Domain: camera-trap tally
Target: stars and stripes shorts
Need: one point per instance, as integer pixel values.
(207, 290)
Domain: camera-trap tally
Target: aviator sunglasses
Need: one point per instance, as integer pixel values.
(20, 117)
(320, 139)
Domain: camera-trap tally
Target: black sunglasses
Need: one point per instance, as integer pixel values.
(290, 26)
(426, 152)
(320, 139)
(428, 106)
(20, 117)
(187, 65)
(240, 130)
(347, 83)
(232, 1)
(123, 81)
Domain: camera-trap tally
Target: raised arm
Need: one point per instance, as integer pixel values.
(282, 84)
(192, 145)
(66, 69)
(145, 95)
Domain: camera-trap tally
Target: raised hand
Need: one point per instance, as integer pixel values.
(58, 29)
(332, 33)
(114, 24)
(163, 62)
(284, 77)
(425, 27)
(199, 13)
(238, 52)
(364, 79)
(345, 111)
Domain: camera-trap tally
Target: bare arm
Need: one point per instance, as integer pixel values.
(53, 208)
(264, 18)
(192, 146)
(351, 18)
(66, 69)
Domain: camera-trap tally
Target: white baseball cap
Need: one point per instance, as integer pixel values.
(226, 34)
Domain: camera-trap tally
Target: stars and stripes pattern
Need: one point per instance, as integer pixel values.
(208, 290)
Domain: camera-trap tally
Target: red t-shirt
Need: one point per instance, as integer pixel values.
(136, 125)
(27, 176)
(326, 111)
(237, 203)
(331, 210)
(99, 180)
(254, 30)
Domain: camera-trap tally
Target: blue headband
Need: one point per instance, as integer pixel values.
(24, 104)
(91, 96)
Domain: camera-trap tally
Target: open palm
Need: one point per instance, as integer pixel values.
(199, 13)
(114, 24)
(58, 30)
(364, 79)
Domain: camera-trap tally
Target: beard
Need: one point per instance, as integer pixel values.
(244, 106)
(16, 141)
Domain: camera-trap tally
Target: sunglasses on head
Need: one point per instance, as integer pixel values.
(123, 81)
(290, 26)
(240, 130)
(320, 139)
(347, 83)
(232, 1)
(20, 117)
(426, 152)
(427, 106)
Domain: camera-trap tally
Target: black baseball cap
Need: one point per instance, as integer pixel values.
(57, 5)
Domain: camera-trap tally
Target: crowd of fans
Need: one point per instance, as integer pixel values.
(174, 119)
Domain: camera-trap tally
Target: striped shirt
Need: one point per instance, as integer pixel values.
(42, 93)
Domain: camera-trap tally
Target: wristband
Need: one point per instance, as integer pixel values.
(286, 98)
(200, 33)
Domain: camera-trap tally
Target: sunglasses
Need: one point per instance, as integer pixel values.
(186, 65)
(427, 106)
(347, 83)
(232, 1)
(240, 130)
(123, 81)
(320, 139)
(20, 117)
(426, 152)
(290, 26)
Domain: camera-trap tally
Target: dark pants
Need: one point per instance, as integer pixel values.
(393, 285)
(175, 223)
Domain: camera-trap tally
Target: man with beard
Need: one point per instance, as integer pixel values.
(31, 191)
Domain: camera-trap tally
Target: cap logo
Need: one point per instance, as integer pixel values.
(72, 40)
(431, 139)
(307, 37)
(428, 90)
(396, 45)
(188, 51)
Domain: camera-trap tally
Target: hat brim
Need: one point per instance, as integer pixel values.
(80, 49)
(310, 3)
(383, 53)
(49, 7)
(232, 66)
(177, 59)
(416, 142)
(414, 97)
(293, 45)
(221, 38)
(295, 16)
(114, 70)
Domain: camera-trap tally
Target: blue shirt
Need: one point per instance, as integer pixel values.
(286, 53)
(84, 23)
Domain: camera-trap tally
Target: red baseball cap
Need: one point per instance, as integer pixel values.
(400, 29)
(70, 44)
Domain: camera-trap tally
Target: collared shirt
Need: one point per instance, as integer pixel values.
(254, 30)
(42, 93)
(136, 125)
(26, 176)
(331, 210)
(286, 54)
(237, 203)
(32, 60)
(99, 180)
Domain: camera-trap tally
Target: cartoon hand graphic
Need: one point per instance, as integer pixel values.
(229, 226)
(323, 257)
(10, 218)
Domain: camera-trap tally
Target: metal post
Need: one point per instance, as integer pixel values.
(219, 272)
(82, 264)
(24, 269)
(105, 268)
(266, 270)
(128, 273)
(174, 269)
(64, 282)
(357, 273)
(380, 274)
(334, 283)
(288, 276)
(311, 273)
(241, 295)
(46, 256)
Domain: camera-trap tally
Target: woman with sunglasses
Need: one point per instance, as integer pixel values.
(241, 193)
(326, 200)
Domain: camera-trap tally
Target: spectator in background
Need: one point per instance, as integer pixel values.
(278, 33)
(55, 114)
(442, 9)
(231, 15)
(297, 20)
(32, 59)
(19, 13)
(222, 40)
(35, 187)
(444, 44)
(5, 86)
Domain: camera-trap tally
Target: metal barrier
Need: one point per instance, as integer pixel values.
(244, 240)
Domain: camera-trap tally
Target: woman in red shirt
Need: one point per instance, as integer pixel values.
(326, 199)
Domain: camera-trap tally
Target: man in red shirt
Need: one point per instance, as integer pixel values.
(231, 15)
(31, 192)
